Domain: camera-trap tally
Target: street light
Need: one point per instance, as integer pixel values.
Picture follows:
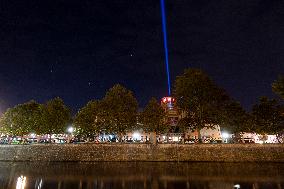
(70, 130)
(136, 136)
(225, 136)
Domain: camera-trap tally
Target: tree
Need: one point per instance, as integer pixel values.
(153, 118)
(11, 122)
(235, 118)
(56, 116)
(268, 117)
(23, 119)
(119, 110)
(201, 99)
(278, 86)
(87, 120)
(34, 121)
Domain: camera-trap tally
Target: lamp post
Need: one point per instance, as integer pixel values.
(225, 136)
(70, 132)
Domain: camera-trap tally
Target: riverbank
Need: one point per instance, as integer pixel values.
(144, 152)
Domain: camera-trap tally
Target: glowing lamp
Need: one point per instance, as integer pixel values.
(136, 136)
(225, 135)
(70, 129)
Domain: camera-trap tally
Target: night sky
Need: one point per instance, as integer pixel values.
(78, 49)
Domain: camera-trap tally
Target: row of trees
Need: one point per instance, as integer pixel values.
(205, 104)
(48, 118)
(116, 113)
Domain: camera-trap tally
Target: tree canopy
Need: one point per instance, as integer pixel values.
(201, 99)
(22, 119)
(31, 116)
(278, 86)
(235, 118)
(56, 116)
(268, 116)
(119, 110)
(87, 120)
(153, 117)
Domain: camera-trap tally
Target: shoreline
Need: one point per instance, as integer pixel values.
(121, 152)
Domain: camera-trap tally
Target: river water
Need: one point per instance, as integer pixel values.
(141, 175)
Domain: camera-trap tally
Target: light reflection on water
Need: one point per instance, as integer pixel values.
(141, 175)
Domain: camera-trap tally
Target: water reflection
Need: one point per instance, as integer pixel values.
(141, 175)
(21, 182)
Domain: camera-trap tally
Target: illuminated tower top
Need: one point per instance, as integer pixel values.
(168, 103)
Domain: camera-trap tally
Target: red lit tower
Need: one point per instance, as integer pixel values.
(170, 107)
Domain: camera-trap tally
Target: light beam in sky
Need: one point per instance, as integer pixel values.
(163, 12)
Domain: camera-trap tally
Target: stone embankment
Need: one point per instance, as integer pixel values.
(144, 152)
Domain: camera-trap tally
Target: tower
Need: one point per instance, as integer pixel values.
(171, 110)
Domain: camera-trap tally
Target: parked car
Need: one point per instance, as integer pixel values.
(31, 140)
(189, 141)
(4, 141)
(44, 141)
(129, 140)
(59, 140)
(17, 141)
(77, 141)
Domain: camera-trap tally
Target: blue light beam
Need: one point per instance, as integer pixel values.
(166, 44)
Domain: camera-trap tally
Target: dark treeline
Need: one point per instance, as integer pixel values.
(201, 101)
